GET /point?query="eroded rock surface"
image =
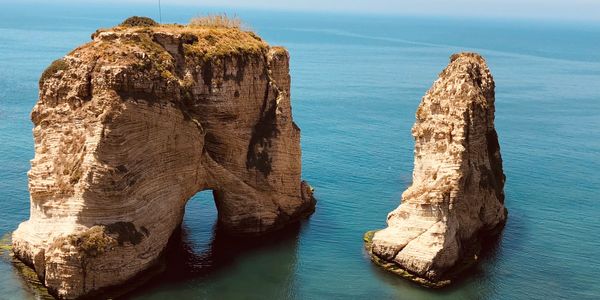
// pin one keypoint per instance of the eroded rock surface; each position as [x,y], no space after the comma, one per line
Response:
[131,125]
[457,196]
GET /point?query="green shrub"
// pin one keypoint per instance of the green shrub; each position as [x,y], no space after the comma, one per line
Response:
[138,21]
[54,67]
[93,241]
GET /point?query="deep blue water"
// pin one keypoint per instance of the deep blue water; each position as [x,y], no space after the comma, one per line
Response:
[356,83]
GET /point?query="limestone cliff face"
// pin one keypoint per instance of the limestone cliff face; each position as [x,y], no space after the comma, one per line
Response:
[131,125]
[457,191]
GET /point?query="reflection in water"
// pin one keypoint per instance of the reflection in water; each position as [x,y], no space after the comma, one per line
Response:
[227,267]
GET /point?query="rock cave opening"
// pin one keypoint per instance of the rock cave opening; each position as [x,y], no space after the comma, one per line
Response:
[200,247]
[199,220]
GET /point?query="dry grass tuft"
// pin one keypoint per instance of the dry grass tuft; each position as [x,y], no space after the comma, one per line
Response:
[218,21]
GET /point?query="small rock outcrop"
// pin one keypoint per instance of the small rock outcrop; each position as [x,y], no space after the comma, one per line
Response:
[457,196]
[131,125]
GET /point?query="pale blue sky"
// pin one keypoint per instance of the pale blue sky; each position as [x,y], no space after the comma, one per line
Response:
[530,9]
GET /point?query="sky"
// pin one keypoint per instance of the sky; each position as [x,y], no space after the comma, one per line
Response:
[583,10]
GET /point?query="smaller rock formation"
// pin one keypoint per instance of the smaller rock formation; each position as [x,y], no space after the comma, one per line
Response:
[457,196]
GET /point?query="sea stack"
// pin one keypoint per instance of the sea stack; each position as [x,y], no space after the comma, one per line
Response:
[456,198]
[131,125]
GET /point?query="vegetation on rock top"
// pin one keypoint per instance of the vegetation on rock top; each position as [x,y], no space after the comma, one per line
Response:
[150,50]
[137,42]
[217,21]
[220,42]
[206,37]
[138,21]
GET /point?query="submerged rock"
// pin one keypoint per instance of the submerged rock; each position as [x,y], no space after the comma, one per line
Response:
[457,196]
[131,125]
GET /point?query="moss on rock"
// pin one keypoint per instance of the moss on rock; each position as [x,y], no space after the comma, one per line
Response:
[6,245]
[25,273]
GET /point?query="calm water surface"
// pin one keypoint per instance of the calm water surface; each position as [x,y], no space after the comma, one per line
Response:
[357,81]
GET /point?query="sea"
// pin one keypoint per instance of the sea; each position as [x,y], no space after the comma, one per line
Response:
[356,82]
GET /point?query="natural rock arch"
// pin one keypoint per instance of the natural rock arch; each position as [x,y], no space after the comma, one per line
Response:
[130,126]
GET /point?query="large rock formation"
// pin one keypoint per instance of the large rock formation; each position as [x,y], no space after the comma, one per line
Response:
[456,197]
[131,125]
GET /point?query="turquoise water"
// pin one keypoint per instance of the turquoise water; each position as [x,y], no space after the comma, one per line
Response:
[356,83]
